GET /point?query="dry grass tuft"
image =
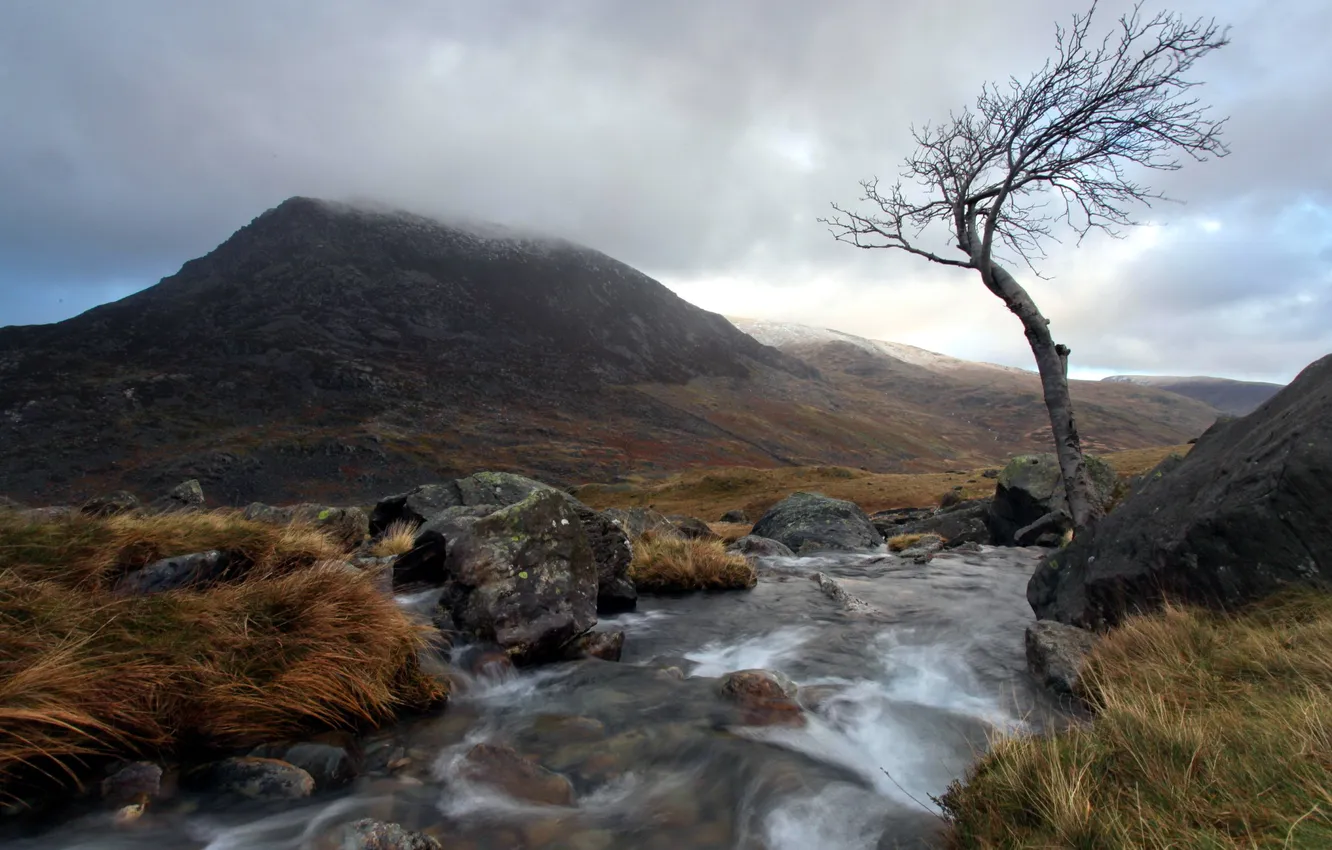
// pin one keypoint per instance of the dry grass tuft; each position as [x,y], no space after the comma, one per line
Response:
[667,563]
[1211,730]
[84,673]
[730,532]
[90,553]
[398,539]
[902,542]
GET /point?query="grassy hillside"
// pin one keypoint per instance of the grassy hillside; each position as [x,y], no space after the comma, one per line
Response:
[708,493]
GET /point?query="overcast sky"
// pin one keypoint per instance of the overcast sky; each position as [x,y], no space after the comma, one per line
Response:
[698,140]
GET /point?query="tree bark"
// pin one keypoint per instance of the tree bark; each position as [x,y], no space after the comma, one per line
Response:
[1051,361]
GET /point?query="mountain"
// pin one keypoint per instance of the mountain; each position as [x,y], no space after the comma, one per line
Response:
[1236,398]
[979,405]
[340,352]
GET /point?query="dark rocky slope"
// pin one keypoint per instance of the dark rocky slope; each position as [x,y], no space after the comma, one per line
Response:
[324,341]
[1242,515]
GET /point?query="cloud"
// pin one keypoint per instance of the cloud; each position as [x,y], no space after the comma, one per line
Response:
[697,141]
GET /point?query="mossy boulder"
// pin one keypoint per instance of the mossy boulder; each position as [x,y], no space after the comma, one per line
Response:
[812,522]
[443,505]
[524,578]
[1031,487]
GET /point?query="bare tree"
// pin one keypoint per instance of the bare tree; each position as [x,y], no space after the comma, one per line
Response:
[1062,148]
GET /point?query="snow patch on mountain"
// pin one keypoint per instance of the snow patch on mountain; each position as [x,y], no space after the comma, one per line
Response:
[790,334]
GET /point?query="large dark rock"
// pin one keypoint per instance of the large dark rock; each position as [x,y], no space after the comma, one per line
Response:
[523,577]
[753,546]
[185,497]
[891,522]
[255,778]
[638,521]
[453,503]
[414,507]
[1030,488]
[133,782]
[811,522]
[193,570]
[606,645]
[1056,654]
[1243,515]
[613,553]
[693,528]
[964,522]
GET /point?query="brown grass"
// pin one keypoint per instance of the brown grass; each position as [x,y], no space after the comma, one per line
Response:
[711,492]
[1211,731]
[398,539]
[84,673]
[666,564]
[730,532]
[89,553]
[904,541]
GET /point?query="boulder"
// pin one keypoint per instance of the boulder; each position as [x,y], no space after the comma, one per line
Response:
[965,522]
[193,570]
[523,577]
[367,834]
[185,497]
[607,645]
[1244,514]
[330,766]
[119,502]
[638,521]
[693,528]
[923,549]
[484,492]
[427,561]
[255,778]
[133,783]
[811,522]
[520,778]
[752,546]
[1056,654]
[736,515]
[414,507]
[1031,487]
[891,522]
[612,552]
[767,697]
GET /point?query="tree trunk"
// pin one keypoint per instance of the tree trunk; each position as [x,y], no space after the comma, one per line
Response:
[1052,363]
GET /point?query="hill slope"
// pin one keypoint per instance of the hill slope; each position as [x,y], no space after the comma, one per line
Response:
[337,352]
[1237,398]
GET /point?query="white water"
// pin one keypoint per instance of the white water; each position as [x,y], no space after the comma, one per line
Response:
[899,702]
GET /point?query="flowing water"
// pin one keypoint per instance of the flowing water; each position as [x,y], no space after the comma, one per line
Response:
[903,670]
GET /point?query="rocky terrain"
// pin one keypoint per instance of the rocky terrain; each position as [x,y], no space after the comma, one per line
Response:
[1237,519]
[1235,398]
[336,353]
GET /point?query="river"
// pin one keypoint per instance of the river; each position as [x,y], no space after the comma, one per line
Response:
[903,674]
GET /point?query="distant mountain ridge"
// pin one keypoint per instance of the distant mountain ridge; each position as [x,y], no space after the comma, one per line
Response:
[1235,398]
[331,351]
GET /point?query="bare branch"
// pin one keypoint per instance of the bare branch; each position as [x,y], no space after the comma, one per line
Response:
[1059,148]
